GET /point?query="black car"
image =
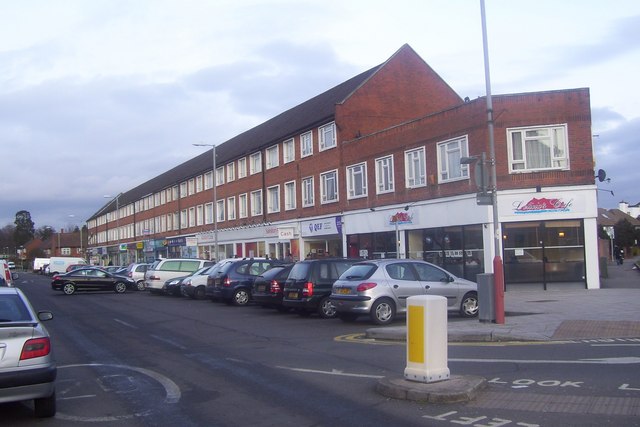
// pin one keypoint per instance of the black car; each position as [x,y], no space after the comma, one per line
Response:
[267,288]
[232,280]
[308,286]
[91,279]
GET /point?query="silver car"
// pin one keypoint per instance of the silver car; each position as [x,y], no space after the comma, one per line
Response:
[27,368]
[380,288]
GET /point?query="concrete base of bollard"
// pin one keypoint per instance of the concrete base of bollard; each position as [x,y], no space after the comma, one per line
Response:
[459,388]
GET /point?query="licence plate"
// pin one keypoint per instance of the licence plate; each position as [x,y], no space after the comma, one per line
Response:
[292,295]
[344,291]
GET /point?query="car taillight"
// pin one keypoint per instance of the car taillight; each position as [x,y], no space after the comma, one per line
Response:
[366,286]
[7,275]
[36,347]
[307,291]
[275,287]
[55,277]
[226,282]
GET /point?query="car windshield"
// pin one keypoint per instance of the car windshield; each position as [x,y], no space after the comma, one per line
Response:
[12,309]
[358,271]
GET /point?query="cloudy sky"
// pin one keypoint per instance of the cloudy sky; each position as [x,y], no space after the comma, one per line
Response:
[99,96]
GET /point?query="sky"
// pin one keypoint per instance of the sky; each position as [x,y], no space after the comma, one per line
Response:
[97,97]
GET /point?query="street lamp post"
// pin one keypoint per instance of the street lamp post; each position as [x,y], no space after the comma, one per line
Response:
[117,224]
[215,197]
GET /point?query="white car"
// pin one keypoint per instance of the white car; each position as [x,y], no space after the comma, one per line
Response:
[162,270]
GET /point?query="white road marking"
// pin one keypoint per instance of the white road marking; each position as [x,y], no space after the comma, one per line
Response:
[333,372]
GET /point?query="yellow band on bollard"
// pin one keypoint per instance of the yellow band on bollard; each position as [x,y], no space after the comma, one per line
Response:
[415,340]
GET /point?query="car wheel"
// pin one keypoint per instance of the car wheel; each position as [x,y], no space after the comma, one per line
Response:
[200,292]
[327,310]
[383,311]
[45,407]
[69,288]
[469,305]
[120,287]
[140,285]
[241,297]
[348,317]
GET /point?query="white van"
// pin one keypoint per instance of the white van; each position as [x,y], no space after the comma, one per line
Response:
[39,263]
[59,264]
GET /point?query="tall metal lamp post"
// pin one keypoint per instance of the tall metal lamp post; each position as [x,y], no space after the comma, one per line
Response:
[215,197]
[73,216]
[107,196]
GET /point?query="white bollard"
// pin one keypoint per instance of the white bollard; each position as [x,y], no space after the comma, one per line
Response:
[427,353]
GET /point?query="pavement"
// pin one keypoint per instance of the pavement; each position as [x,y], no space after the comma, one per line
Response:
[611,312]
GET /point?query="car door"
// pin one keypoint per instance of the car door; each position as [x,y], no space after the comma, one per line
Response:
[101,280]
[438,282]
[404,282]
[80,278]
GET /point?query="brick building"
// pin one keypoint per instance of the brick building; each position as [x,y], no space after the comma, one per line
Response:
[372,168]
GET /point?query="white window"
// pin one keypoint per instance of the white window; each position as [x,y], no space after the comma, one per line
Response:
[199,215]
[231,208]
[192,217]
[156,200]
[256,203]
[357,181]
[192,186]
[65,251]
[538,148]
[329,187]
[169,222]
[289,195]
[306,144]
[273,199]
[183,193]
[208,213]
[327,136]
[273,157]
[220,175]
[231,172]
[176,220]
[174,192]
[288,151]
[307,192]
[198,183]
[242,205]
[183,218]
[242,167]
[163,197]
[384,175]
[415,168]
[208,180]
[255,163]
[449,154]
[220,210]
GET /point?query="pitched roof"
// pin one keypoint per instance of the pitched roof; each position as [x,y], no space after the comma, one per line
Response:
[611,217]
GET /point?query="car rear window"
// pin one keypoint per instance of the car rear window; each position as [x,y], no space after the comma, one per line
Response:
[300,271]
[12,309]
[189,266]
[358,272]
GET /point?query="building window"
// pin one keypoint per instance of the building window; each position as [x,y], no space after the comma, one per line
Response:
[329,187]
[289,195]
[208,180]
[256,203]
[415,168]
[192,186]
[242,205]
[537,148]
[219,176]
[183,192]
[288,151]
[384,175]
[220,210]
[273,157]
[208,213]
[231,208]
[449,155]
[273,199]
[307,192]
[198,183]
[65,251]
[327,136]
[255,163]
[192,217]
[242,167]
[199,215]
[183,218]
[357,181]
[174,192]
[306,144]
[231,172]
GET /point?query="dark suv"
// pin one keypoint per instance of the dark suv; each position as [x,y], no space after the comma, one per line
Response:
[309,283]
[232,280]
[267,288]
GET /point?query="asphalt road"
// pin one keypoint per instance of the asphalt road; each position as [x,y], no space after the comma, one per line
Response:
[141,360]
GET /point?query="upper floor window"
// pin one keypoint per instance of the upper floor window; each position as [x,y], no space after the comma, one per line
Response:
[208,213]
[329,186]
[289,195]
[273,199]
[273,157]
[306,144]
[288,151]
[192,186]
[208,180]
[199,215]
[231,171]
[415,168]
[327,136]
[220,210]
[384,175]
[242,205]
[183,191]
[242,167]
[255,163]
[231,208]
[198,183]
[219,176]
[449,155]
[357,181]
[307,192]
[537,148]
[174,192]
[256,203]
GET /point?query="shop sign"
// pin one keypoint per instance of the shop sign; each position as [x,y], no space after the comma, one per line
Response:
[542,205]
[191,241]
[322,227]
[123,247]
[176,241]
[401,217]
[285,233]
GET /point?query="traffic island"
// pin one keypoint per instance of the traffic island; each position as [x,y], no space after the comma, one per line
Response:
[458,388]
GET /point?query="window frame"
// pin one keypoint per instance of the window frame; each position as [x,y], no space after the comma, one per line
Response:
[306,145]
[351,174]
[273,157]
[324,184]
[323,144]
[231,208]
[231,171]
[255,163]
[290,201]
[444,161]
[411,170]
[288,151]
[308,192]
[389,168]
[243,211]
[564,160]
[242,167]
[256,202]
[273,199]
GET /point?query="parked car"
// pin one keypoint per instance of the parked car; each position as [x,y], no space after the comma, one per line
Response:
[232,280]
[136,272]
[195,286]
[162,270]
[91,279]
[308,286]
[12,265]
[59,264]
[27,368]
[114,269]
[380,288]
[174,286]
[268,287]
[72,267]
[7,275]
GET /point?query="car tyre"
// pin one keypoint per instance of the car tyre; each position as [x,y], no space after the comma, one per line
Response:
[120,287]
[383,311]
[326,309]
[469,305]
[348,317]
[200,293]
[140,285]
[45,407]
[69,288]
[241,297]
